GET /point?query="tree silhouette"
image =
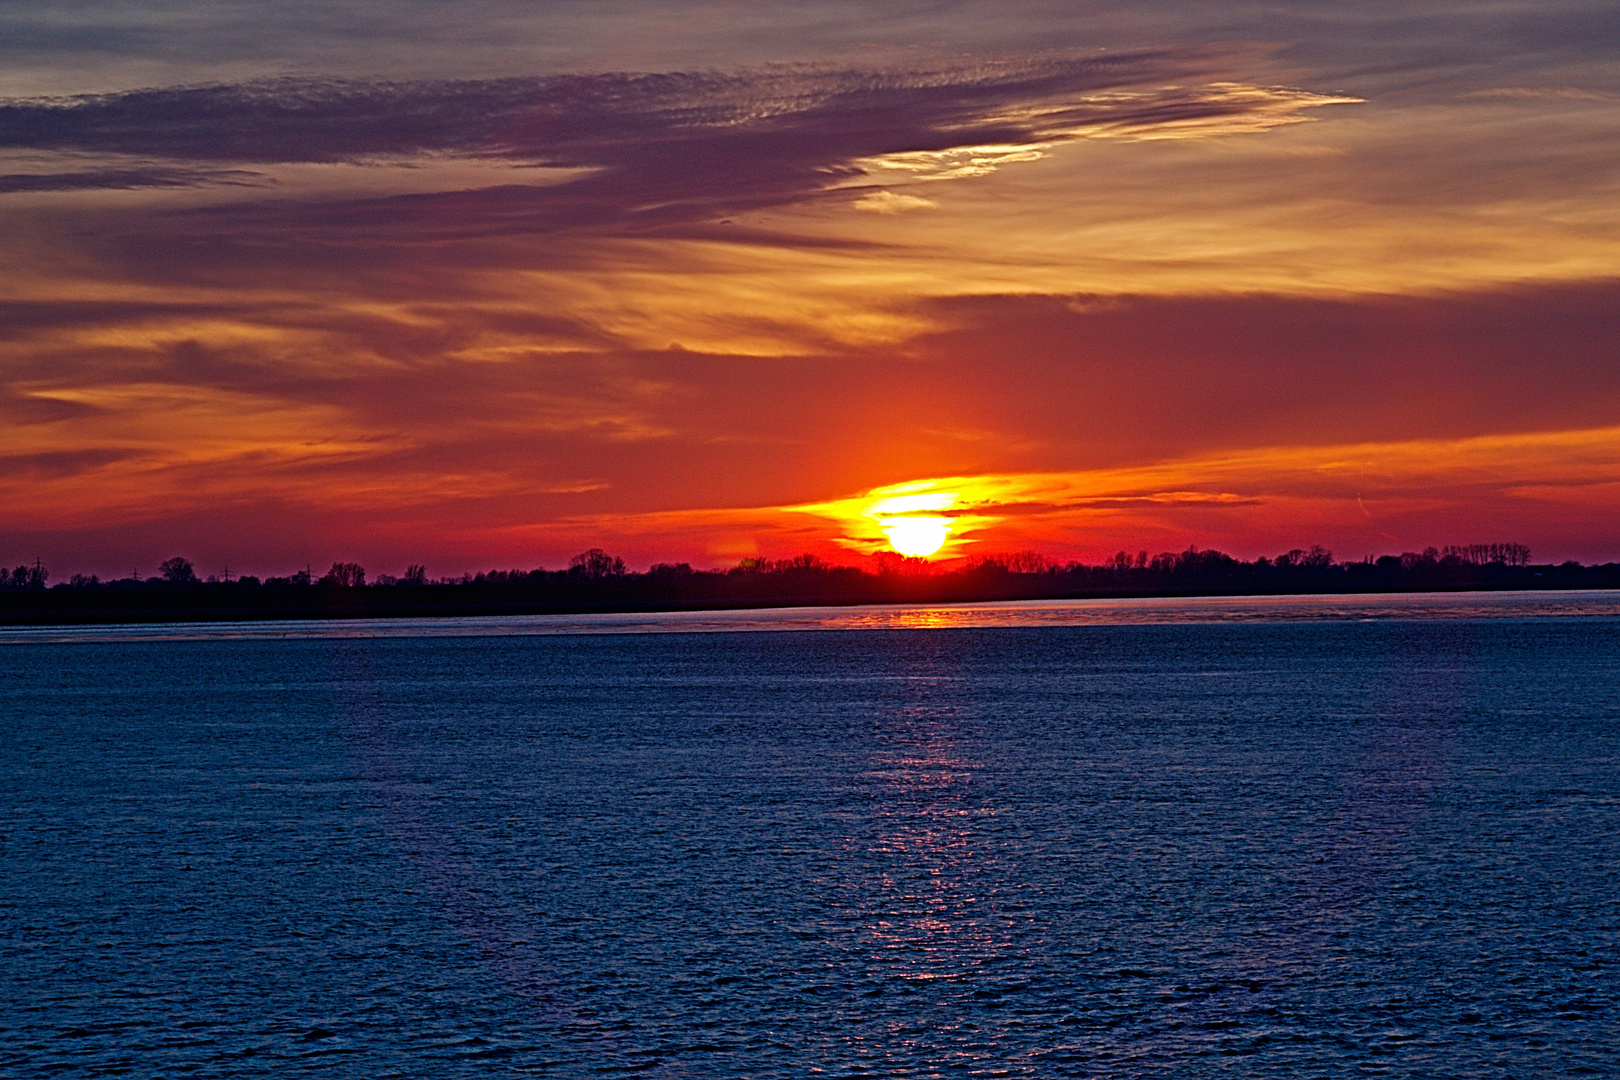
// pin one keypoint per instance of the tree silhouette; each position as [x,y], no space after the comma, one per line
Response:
[596,580]
[178,571]
[596,564]
[348,575]
[25,577]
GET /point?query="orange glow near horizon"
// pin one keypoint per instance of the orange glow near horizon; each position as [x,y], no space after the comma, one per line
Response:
[1361,499]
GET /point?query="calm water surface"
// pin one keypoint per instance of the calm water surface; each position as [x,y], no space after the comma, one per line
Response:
[1298,837]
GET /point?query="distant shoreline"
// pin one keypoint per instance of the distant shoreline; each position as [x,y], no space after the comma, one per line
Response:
[559,593]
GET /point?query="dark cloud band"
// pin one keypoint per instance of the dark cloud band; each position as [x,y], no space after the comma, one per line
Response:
[603,119]
[654,151]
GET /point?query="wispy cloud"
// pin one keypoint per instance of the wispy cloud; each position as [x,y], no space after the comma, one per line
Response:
[650,150]
[1543,93]
[126,179]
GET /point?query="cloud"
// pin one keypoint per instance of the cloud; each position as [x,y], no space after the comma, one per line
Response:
[124,179]
[52,464]
[114,41]
[651,150]
[1543,93]
[884,201]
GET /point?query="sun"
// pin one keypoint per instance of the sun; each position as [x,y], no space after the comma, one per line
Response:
[917,536]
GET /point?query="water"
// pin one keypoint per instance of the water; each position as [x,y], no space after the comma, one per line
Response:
[1276,838]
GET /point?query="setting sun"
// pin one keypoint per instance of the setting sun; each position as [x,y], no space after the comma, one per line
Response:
[909,515]
[918,518]
[917,536]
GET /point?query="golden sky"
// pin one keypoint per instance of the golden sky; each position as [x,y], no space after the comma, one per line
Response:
[693,282]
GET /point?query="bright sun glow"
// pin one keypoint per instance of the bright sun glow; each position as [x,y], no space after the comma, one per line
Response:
[919,519]
[917,536]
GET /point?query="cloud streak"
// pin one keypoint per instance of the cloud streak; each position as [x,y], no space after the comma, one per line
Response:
[652,150]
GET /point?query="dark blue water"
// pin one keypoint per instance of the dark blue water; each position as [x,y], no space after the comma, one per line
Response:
[1331,848]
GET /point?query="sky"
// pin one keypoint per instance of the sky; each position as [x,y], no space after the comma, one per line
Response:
[482,285]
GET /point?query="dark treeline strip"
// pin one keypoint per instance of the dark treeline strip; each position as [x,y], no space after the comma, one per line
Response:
[598,582]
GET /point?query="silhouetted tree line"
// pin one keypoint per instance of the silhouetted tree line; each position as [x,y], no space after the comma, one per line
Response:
[24,577]
[597,581]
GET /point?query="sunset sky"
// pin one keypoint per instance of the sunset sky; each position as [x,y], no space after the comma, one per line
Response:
[484,284]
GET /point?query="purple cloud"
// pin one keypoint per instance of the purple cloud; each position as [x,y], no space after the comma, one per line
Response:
[656,150]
